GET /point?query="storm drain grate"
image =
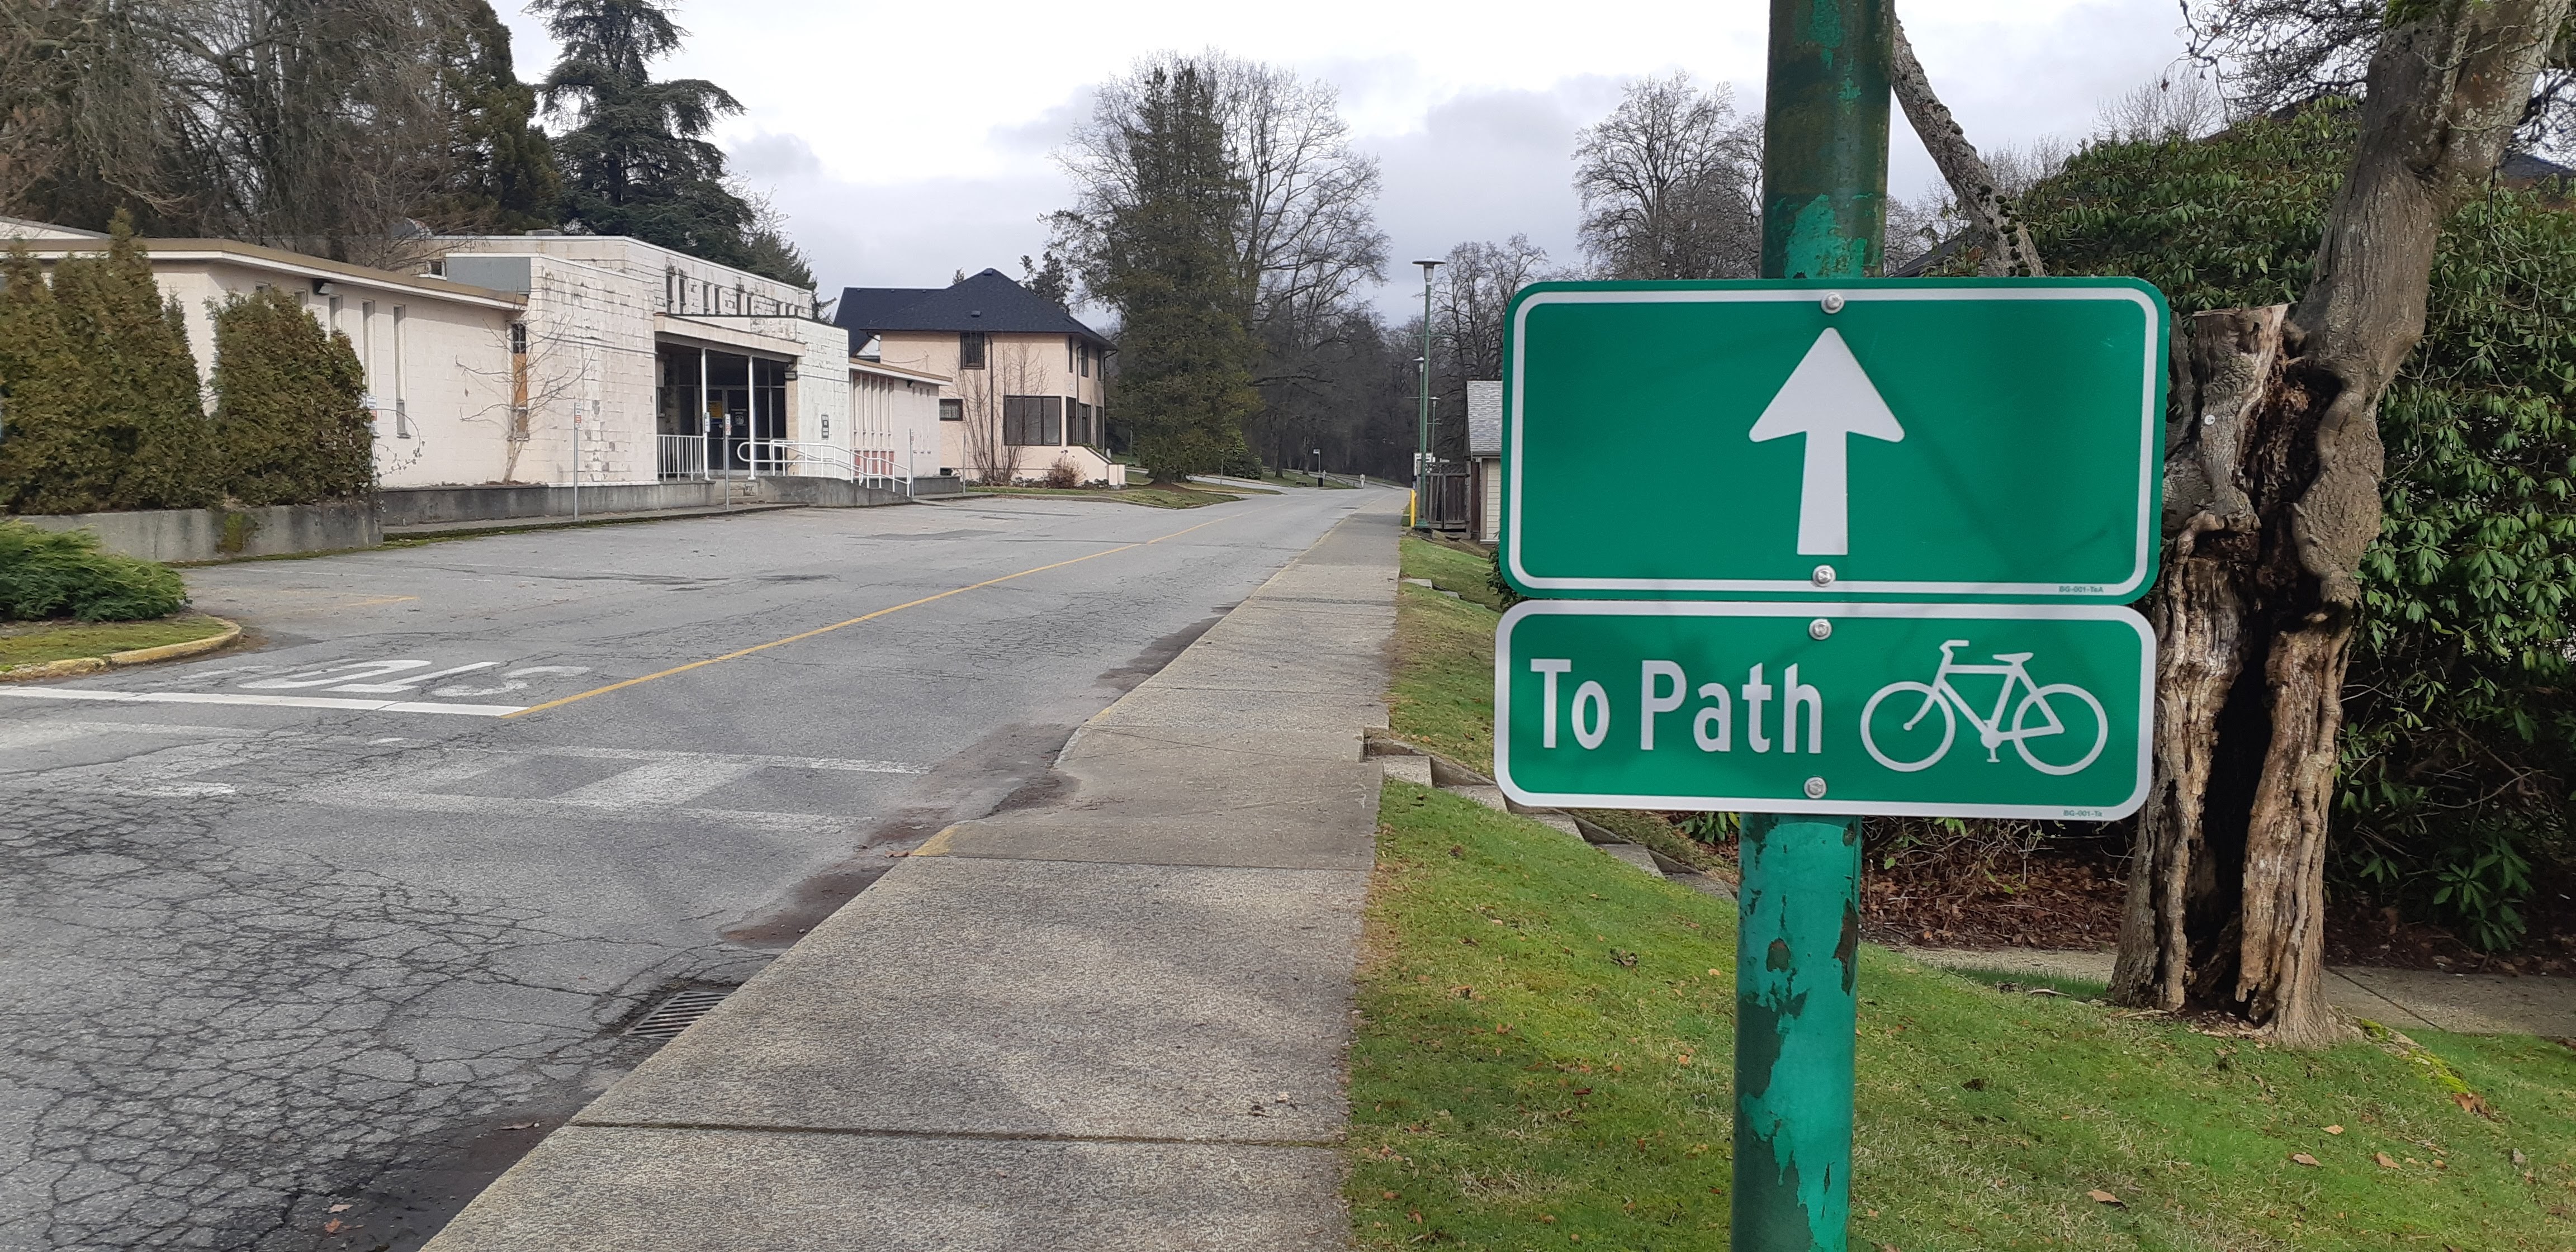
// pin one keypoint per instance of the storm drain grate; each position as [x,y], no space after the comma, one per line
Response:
[674,1015]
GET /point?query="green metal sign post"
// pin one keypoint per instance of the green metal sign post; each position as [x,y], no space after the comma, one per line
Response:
[1797,942]
[1820,545]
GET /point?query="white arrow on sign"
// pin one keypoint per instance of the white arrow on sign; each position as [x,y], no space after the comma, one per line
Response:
[1827,398]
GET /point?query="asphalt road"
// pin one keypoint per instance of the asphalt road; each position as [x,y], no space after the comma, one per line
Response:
[300,944]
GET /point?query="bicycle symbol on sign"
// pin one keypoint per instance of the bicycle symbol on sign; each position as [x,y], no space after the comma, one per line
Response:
[2032,719]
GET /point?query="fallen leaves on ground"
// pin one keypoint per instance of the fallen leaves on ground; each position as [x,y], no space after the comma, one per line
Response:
[2304,1159]
[2104,1197]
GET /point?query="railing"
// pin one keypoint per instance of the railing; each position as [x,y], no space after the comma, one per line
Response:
[791,458]
[685,456]
[680,456]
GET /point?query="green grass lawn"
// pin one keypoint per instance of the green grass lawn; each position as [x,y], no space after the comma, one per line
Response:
[33,643]
[1443,695]
[1518,1082]
[1157,496]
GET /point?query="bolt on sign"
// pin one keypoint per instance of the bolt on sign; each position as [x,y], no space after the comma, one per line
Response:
[1973,439]
[2027,711]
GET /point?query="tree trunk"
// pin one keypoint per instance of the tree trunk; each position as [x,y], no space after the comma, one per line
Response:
[2272,497]
[2007,247]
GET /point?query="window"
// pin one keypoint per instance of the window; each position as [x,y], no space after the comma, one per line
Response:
[970,350]
[1082,425]
[402,406]
[1032,421]
[952,410]
[518,339]
[1072,351]
[1084,358]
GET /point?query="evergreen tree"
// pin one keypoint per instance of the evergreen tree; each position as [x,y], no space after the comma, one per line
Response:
[1166,259]
[288,404]
[634,163]
[499,167]
[103,407]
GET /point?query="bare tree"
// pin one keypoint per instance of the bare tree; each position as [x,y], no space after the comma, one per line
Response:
[1010,369]
[1671,184]
[1305,235]
[314,125]
[2272,498]
[2177,105]
[1474,291]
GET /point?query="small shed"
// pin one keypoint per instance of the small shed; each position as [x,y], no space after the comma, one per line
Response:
[1485,460]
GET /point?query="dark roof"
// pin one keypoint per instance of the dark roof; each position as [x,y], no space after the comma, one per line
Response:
[2525,168]
[989,301]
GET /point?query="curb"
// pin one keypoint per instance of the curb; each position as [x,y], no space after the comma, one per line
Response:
[1467,782]
[519,526]
[71,666]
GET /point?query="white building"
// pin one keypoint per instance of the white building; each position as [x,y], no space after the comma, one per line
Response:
[658,365]
[436,352]
[553,359]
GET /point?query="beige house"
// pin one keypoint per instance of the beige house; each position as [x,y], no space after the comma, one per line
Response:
[1027,382]
[1485,461]
[436,352]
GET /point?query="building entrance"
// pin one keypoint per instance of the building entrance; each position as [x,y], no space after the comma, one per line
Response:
[719,412]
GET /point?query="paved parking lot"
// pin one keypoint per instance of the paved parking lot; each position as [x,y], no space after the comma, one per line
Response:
[304,941]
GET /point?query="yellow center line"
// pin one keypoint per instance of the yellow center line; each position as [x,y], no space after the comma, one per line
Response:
[825,630]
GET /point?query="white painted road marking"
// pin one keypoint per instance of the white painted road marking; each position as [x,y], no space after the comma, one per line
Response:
[659,782]
[286,702]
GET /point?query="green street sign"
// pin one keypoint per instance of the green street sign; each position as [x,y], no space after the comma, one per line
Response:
[1931,710]
[1858,439]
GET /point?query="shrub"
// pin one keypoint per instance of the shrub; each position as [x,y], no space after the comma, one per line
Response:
[2459,742]
[104,409]
[65,574]
[1063,474]
[289,404]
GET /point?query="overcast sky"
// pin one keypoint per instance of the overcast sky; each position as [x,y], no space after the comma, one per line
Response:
[907,142]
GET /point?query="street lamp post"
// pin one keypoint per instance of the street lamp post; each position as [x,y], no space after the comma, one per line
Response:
[1422,441]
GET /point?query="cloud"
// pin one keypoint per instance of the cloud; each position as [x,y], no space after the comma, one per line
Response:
[1486,165]
[771,158]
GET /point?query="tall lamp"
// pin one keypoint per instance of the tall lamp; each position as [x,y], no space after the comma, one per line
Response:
[1422,442]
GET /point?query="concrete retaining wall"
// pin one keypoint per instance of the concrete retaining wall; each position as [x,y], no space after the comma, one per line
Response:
[221,534]
[421,506]
[429,506]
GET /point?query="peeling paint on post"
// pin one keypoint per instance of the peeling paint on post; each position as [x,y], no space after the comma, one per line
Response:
[1824,215]
[1797,940]
[1824,139]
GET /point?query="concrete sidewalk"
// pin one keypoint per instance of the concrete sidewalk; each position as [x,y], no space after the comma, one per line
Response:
[2407,999]
[1115,1019]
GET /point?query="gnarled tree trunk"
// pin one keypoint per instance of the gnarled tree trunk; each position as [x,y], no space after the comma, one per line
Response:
[2007,247]
[2272,496]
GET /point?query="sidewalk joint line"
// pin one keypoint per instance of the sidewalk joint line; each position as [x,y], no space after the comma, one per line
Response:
[864,617]
[984,1136]
[1061,860]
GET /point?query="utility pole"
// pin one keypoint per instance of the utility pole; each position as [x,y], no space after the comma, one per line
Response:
[1422,443]
[1824,215]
